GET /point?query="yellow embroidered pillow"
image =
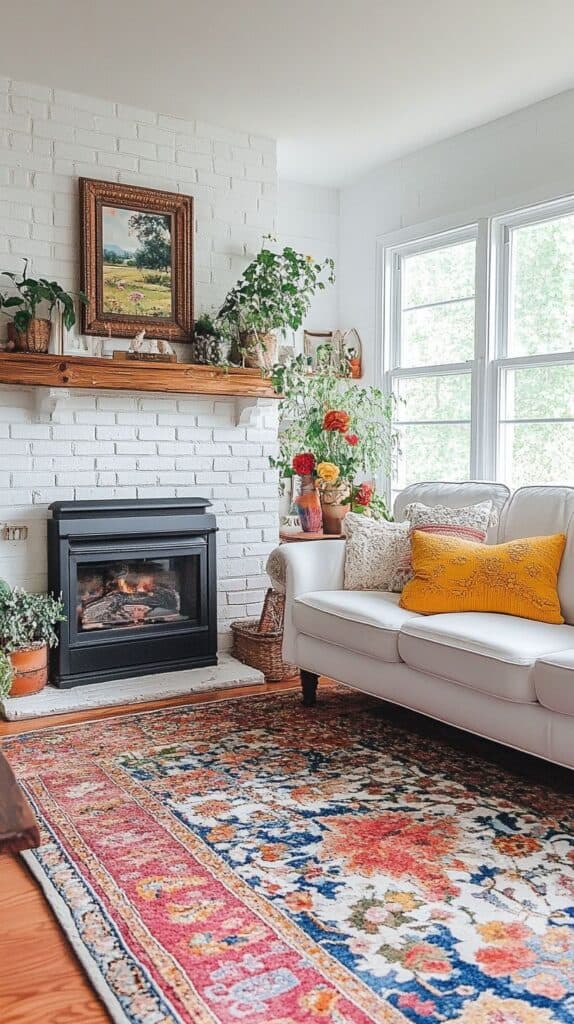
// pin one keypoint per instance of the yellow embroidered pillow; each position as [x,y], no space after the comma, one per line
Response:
[516,578]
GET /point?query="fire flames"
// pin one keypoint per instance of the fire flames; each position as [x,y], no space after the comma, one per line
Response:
[140,585]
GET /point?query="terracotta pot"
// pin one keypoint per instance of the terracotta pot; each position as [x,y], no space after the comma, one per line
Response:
[332,507]
[30,670]
[36,337]
[259,350]
[308,505]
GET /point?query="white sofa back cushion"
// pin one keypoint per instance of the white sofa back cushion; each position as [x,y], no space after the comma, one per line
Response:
[455,495]
[540,511]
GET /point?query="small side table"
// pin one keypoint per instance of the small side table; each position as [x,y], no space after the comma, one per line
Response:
[18,826]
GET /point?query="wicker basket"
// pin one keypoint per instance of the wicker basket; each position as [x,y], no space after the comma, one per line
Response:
[36,337]
[261,650]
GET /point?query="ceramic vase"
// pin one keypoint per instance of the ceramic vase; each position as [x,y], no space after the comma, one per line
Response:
[332,507]
[308,505]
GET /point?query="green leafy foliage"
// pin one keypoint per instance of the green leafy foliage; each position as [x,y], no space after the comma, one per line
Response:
[6,674]
[33,296]
[26,619]
[307,396]
[275,292]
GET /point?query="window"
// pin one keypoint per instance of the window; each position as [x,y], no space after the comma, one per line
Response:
[479,350]
[535,365]
[432,357]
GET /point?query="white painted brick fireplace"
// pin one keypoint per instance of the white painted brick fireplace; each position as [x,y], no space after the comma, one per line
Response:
[102,445]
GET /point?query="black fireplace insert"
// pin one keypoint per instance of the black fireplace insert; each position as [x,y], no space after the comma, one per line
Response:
[138,579]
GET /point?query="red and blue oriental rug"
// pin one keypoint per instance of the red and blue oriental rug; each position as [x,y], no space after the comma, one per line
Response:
[253,861]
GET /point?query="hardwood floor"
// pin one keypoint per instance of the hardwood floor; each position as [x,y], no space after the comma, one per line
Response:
[40,978]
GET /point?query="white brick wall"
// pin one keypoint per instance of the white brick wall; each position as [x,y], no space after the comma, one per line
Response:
[119,445]
[49,138]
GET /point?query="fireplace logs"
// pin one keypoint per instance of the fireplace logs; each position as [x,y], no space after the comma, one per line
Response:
[127,594]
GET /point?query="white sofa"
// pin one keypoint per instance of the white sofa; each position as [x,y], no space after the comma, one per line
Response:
[499,676]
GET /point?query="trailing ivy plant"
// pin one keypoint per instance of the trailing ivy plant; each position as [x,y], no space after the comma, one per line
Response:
[32,295]
[28,619]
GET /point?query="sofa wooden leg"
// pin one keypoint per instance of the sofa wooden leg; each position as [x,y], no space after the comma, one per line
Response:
[309,682]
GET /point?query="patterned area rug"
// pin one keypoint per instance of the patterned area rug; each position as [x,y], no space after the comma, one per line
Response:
[251,860]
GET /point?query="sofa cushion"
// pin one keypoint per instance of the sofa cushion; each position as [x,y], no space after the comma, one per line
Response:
[516,578]
[365,621]
[533,511]
[489,652]
[454,495]
[554,682]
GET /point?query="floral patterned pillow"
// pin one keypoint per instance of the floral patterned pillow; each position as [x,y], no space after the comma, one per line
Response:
[470,522]
[373,551]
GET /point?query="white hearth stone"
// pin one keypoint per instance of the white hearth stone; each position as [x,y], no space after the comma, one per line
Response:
[137,690]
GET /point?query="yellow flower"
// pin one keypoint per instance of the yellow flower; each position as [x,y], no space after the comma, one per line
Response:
[309,259]
[328,472]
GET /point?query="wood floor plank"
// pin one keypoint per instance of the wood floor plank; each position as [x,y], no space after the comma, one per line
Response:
[40,978]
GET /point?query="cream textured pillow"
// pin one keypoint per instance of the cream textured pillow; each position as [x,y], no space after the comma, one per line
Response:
[470,523]
[373,551]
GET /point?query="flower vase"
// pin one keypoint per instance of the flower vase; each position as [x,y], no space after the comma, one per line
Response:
[308,505]
[332,507]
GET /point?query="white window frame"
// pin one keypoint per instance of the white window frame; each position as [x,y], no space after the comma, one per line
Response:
[391,369]
[491,229]
[501,291]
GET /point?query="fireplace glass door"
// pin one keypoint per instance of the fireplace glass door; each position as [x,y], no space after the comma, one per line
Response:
[134,590]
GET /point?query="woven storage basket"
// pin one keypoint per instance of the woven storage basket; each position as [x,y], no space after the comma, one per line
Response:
[261,650]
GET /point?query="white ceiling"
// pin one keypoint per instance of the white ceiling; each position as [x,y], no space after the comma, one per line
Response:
[342,84]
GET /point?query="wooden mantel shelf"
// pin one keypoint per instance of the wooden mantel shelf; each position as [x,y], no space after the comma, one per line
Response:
[123,375]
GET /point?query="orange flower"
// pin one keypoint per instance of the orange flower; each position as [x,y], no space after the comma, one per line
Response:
[321,1001]
[299,901]
[498,961]
[337,419]
[221,833]
[517,846]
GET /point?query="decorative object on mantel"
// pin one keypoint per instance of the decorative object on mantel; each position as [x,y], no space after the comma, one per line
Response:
[274,294]
[335,432]
[207,341]
[148,350]
[351,349]
[259,642]
[27,624]
[316,344]
[137,260]
[124,375]
[27,331]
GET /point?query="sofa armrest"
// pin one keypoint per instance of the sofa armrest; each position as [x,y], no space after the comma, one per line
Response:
[301,568]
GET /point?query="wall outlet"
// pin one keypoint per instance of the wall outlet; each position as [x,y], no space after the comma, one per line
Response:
[13,531]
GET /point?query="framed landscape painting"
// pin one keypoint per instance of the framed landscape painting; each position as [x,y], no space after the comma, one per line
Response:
[137,261]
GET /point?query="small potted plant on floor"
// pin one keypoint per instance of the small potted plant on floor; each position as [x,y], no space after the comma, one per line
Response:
[31,310]
[27,629]
[274,294]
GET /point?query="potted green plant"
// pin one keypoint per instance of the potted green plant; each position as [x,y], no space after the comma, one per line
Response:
[29,330]
[27,629]
[208,341]
[274,294]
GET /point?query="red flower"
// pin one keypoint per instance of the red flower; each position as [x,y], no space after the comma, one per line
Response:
[304,463]
[364,495]
[337,419]
[352,439]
